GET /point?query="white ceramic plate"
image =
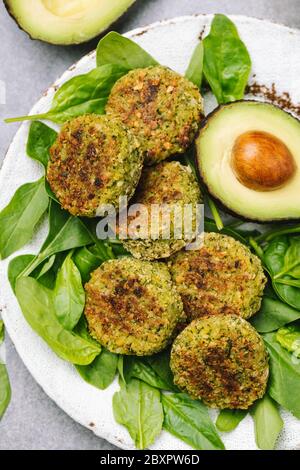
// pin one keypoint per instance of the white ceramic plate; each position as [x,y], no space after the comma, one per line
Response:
[275,53]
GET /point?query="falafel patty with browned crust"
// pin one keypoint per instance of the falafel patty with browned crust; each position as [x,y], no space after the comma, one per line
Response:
[222,361]
[172,188]
[93,162]
[162,108]
[132,307]
[223,276]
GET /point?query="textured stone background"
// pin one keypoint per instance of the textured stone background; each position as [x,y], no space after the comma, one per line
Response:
[28,67]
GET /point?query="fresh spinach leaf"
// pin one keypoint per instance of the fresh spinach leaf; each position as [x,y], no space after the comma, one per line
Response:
[17,266]
[273,315]
[267,422]
[228,420]
[40,140]
[274,259]
[189,420]
[101,248]
[66,232]
[69,295]
[5,389]
[83,94]
[289,339]
[123,52]
[160,363]
[137,406]
[36,302]
[120,367]
[20,217]
[194,71]
[291,265]
[2,332]
[102,371]
[284,382]
[227,63]
[86,262]
[135,367]
[81,329]
[45,268]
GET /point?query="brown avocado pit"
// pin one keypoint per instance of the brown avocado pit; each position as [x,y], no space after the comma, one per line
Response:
[261,161]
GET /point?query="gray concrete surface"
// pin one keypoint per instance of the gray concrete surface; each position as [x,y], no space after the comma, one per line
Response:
[28,67]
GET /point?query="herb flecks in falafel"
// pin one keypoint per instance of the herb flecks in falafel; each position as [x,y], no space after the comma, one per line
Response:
[162,108]
[223,276]
[222,361]
[93,162]
[172,188]
[132,307]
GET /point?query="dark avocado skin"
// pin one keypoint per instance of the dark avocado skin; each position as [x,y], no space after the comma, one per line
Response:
[103,32]
[217,200]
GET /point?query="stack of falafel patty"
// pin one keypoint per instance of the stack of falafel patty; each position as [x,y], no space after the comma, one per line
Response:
[199,300]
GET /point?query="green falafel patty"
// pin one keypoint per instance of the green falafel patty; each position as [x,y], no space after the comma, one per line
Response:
[93,162]
[132,307]
[162,108]
[222,361]
[171,187]
[223,276]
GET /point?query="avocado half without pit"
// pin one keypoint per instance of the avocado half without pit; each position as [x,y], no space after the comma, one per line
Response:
[248,155]
[66,21]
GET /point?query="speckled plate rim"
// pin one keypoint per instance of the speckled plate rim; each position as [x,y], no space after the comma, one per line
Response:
[114,433]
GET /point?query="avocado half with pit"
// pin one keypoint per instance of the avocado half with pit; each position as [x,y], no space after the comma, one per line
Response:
[66,21]
[248,155]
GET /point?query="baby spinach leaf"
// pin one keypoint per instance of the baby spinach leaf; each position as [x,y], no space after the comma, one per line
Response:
[5,390]
[291,259]
[45,268]
[189,420]
[81,329]
[100,248]
[289,339]
[273,315]
[86,262]
[137,406]
[102,371]
[267,422]
[139,368]
[121,51]
[227,63]
[17,266]
[194,71]
[19,218]
[274,259]
[83,94]
[65,233]
[228,420]
[284,382]
[69,295]
[120,368]
[160,363]
[36,302]
[2,332]
[40,140]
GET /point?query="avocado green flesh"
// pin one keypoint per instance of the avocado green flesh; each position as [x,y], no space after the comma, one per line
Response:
[66,21]
[214,149]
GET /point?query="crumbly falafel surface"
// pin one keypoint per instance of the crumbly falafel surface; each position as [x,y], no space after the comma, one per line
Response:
[93,162]
[172,187]
[161,107]
[223,276]
[222,361]
[132,307]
